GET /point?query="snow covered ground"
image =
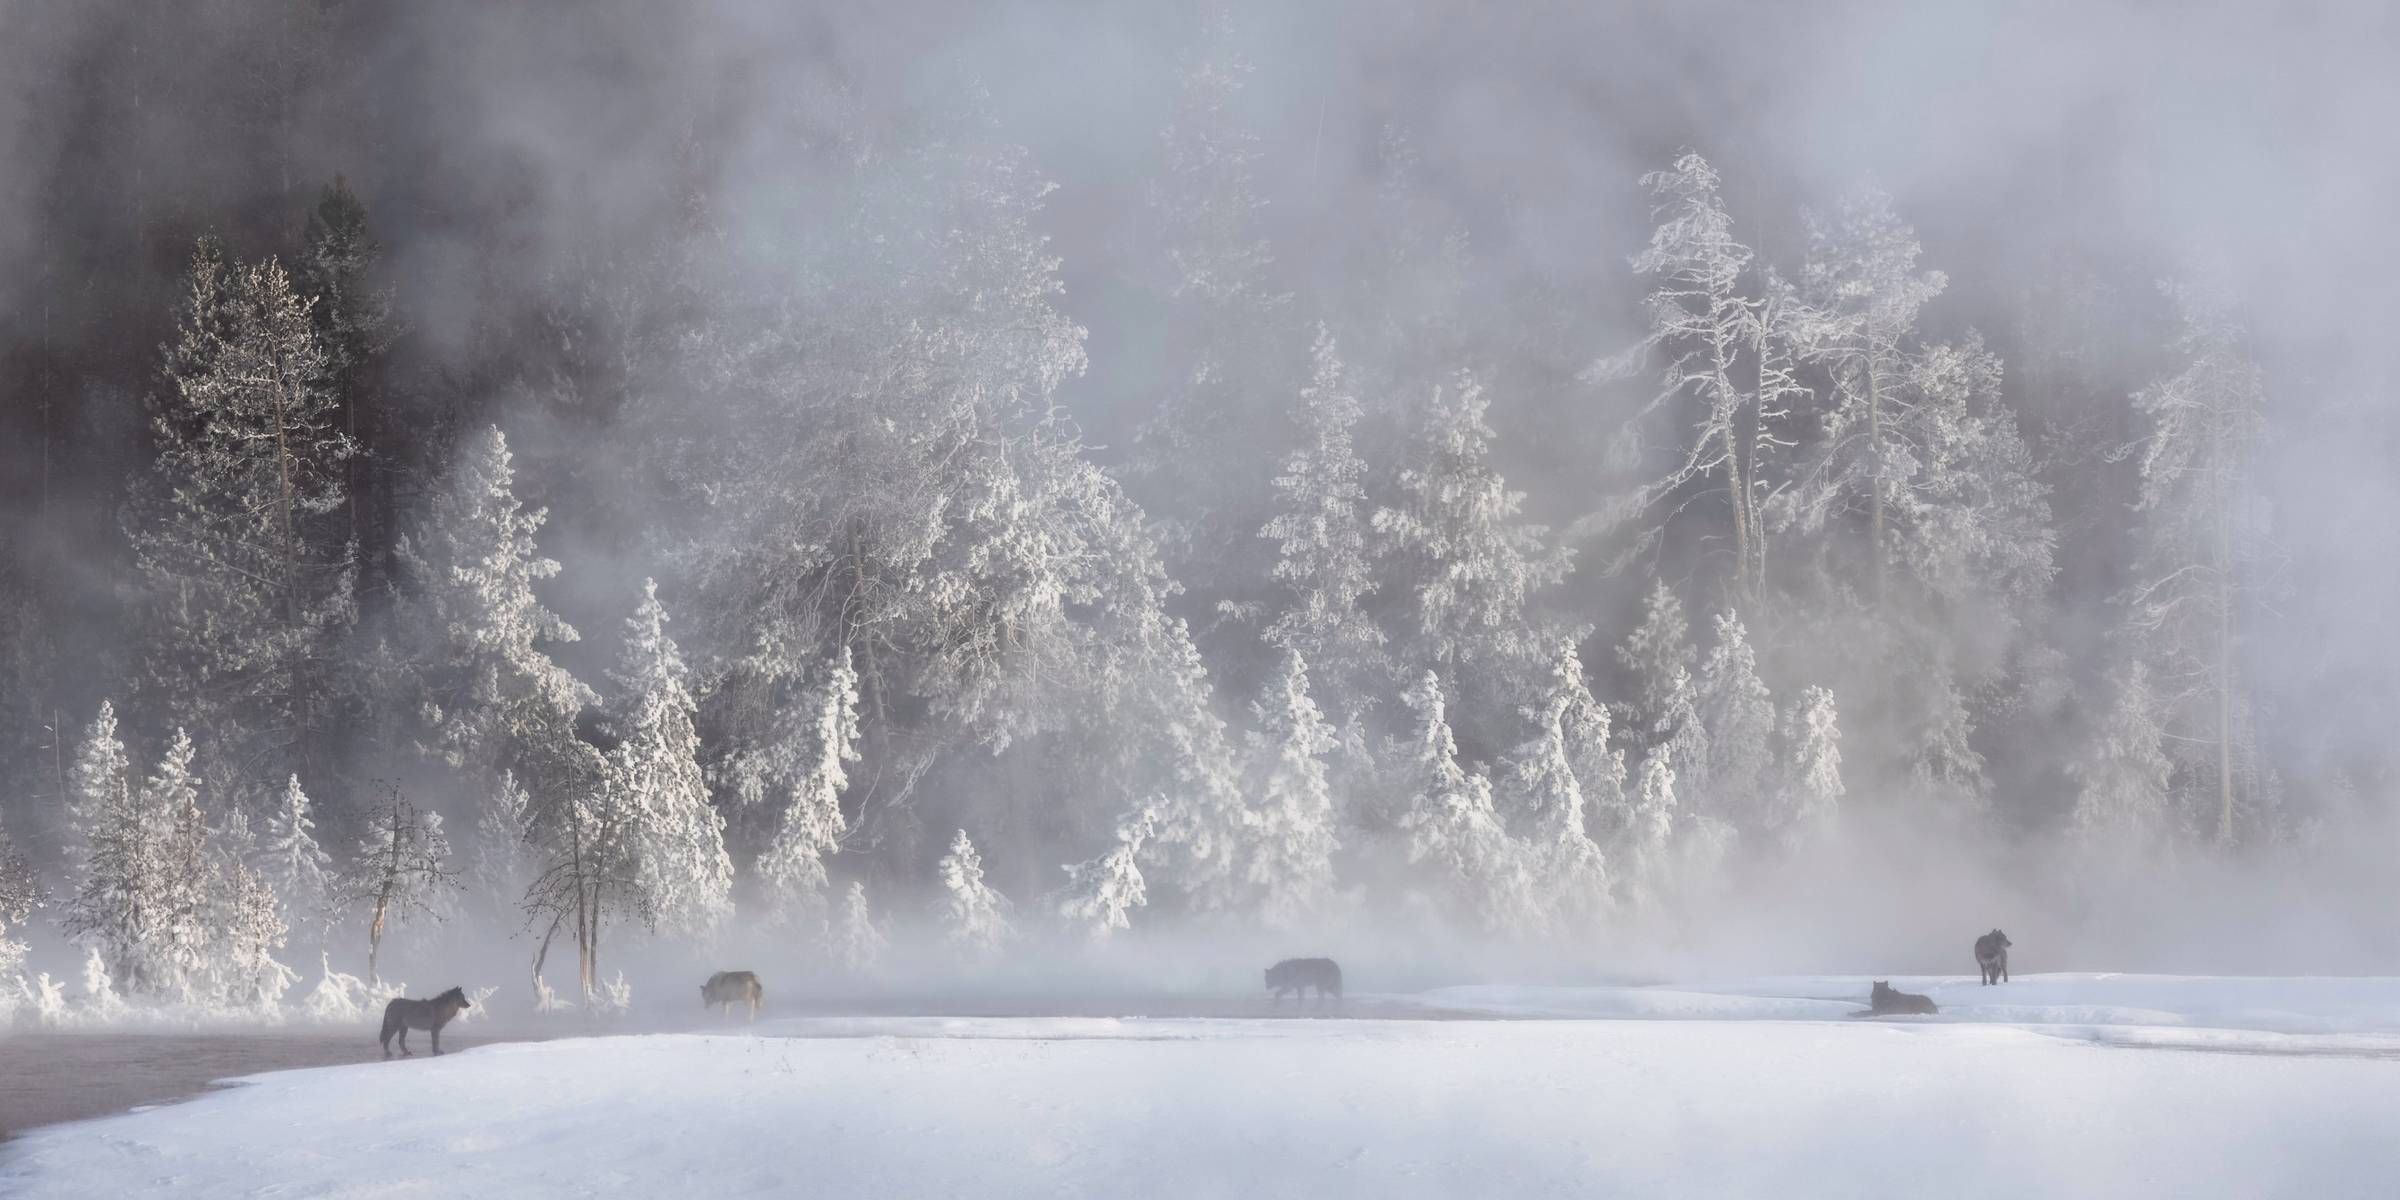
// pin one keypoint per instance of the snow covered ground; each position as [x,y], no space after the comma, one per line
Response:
[1238,1107]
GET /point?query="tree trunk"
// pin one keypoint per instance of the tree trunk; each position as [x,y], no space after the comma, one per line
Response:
[1875,472]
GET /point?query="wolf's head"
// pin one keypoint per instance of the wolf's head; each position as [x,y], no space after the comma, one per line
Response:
[1883,988]
[456,996]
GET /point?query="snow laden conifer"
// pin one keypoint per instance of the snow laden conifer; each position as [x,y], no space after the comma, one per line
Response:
[297,868]
[246,570]
[189,885]
[20,895]
[1548,802]
[1813,787]
[1648,844]
[2122,802]
[975,917]
[654,773]
[1291,860]
[2202,537]
[491,693]
[501,869]
[1680,741]
[101,786]
[1320,531]
[792,871]
[1100,895]
[1716,338]
[858,941]
[1469,562]
[1739,715]
[115,909]
[1451,828]
[1659,646]
[249,930]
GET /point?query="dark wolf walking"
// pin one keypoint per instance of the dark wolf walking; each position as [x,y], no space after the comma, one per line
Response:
[1991,955]
[402,1015]
[1887,1000]
[730,988]
[1297,975]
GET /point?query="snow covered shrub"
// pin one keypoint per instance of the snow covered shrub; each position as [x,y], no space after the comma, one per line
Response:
[974,915]
[49,1000]
[339,998]
[545,1000]
[100,1002]
[616,997]
[476,1002]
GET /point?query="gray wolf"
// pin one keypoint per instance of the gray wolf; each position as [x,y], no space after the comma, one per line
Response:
[402,1015]
[1888,1000]
[1297,975]
[1991,954]
[730,988]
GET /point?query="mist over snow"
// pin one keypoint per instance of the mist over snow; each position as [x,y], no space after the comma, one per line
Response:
[944,496]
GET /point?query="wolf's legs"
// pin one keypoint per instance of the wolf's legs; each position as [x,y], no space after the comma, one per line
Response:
[405,1052]
[436,1031]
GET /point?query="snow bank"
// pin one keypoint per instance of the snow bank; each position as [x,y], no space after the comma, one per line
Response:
[1326,1108]
[2265,1003]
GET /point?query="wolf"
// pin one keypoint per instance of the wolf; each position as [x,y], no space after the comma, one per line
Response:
[730,988]
[402,1015]
[1887,1000]
[1991,954]
[1297,975]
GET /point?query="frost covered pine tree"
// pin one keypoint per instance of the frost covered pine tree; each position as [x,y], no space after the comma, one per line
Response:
[2122,776]
[101,788]
[246,578]
[115,909]
[1450,823]
[249,930]
[680,858]
[1470,563]
[1320,531]
[975,916]
[858,941]
[20,895]
[298,869]
[2202,534]
[191,882]
[1659,646]
[1813,788]
[1291,859]
[401,871]
[1101,894]
[491,693]
[792,871]
[1647,846]
[1739,715]
[1717,338]
[502,867]
[1548,801]
[1861,291]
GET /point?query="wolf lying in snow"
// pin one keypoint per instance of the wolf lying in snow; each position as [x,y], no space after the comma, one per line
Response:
[1887,1000]
[403,1014]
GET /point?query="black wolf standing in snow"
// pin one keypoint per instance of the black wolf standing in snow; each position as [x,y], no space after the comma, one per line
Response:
[1888,1000]
[1297,975]
[402,1015]
[730,988]
[1991,954]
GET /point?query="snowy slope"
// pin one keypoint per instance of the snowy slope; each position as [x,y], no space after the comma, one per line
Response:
[2273,1004]
[1241,1108]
